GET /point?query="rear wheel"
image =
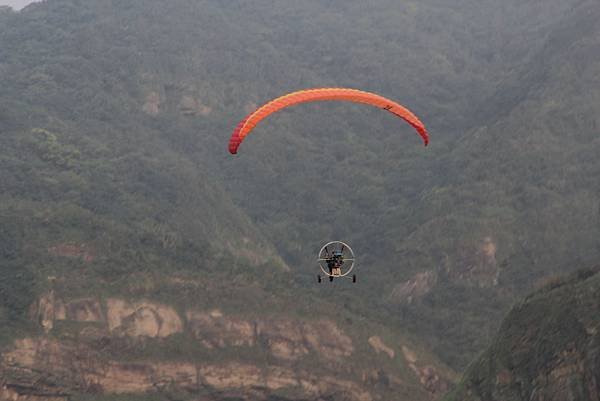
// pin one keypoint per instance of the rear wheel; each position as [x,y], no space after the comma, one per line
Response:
[354,278]
[330,278]
[319,278]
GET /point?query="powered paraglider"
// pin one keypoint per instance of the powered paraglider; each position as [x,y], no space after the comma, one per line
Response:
[321,94]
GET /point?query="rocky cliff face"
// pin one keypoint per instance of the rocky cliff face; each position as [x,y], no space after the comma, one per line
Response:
[548,348]
[101,350]
[44,367]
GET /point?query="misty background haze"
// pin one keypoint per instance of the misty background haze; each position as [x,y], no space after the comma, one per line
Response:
[134,246]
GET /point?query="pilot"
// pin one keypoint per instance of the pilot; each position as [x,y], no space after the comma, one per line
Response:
[335,262]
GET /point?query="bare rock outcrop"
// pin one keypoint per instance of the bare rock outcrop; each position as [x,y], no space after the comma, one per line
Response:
[414,289]
[290,339]
[216,331]
[79,310]
[69,250]
[142,318]
[49,309]
[22,393]
[74,368]
[152,103]
[77,366]
[327,338]
[428,375]
[286,339]
[44,311]
[379,346]
[190,106]
[477,267]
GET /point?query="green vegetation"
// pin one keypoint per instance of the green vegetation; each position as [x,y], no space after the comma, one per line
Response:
[114,120]
[547,345]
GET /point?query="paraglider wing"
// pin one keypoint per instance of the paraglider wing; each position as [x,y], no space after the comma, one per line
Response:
[321,94]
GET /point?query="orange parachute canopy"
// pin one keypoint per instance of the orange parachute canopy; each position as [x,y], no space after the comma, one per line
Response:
[319,94]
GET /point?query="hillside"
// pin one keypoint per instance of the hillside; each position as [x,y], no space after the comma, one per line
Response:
[547,347]
[115,119]
[519,198]
[127,266]
[455,232]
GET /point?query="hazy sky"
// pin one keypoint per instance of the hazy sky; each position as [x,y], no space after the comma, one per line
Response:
[16,4]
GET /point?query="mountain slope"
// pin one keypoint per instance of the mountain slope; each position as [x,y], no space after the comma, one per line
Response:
[156,90]
[547,347]
[518,197]
[126,266]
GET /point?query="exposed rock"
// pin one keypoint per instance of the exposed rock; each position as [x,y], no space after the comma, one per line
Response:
[428,376]
[49,308]
[289,339]
[43,366]
[152,103]
[80,310]
[10,394]
[94,333]
[75,367]
[477,267]
[232,375]
[60,311]
[142,319]
[71,369]
[285,338]
[216,313]
[241,375]
[185,375]
[44,311]
[278,378]
[216,331]
[331,385]
[431,380]
[379,346]
[122,378]
[204,110]
[190,106]
[415,288]
[82,251]
[409,354]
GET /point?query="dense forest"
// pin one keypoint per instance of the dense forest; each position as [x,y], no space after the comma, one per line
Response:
[547,347]
[114,122]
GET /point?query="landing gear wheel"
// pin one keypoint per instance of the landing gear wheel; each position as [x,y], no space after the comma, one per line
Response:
[330,278]
[354,278]
[319,278]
